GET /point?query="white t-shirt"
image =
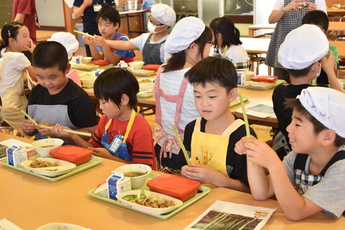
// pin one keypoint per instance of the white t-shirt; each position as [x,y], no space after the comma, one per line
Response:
[237,54]
[13,70]
[320,5]
[140,41]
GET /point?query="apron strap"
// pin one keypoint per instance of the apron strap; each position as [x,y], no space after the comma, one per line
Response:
[129,125]
[230,129]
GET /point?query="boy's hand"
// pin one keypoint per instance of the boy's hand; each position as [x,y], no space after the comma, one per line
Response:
[88,40]
[257,152]
[101,152]
[201,173]
[99,41]
[328,63]
[29,127]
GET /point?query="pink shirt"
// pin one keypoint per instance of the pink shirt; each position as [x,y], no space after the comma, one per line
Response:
[74,75]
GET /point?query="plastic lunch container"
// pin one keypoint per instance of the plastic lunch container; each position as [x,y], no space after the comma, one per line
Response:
[175,186]
[73,154]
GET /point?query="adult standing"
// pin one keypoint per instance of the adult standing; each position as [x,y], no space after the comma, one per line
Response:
[88,9]
[288,15]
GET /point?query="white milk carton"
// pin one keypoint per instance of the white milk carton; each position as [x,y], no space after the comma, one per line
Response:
[16,154]
[117,183]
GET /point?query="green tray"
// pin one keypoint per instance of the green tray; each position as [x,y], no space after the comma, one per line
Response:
[91,163]
[203,190]
[278,82]
[237,101]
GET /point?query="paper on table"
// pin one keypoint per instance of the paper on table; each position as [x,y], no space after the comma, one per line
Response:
[224,214]
[263,109]
[8,225]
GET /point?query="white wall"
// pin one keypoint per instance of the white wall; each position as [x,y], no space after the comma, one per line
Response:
[50,12]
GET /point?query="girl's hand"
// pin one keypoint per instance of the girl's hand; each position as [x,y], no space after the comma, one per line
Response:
[101,152]
[201,173]
[31,47]
[293,5]
[311,6]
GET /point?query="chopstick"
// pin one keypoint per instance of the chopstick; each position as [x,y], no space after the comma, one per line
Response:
[48,127]
[245,118]
[182,146]
[80,32]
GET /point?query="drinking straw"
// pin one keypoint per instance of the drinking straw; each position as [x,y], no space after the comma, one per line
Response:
[182,146]
[245,118]
[224,53]
[80,32]
[48,127]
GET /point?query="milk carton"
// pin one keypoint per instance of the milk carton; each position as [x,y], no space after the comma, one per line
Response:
[16,154]
[117,183]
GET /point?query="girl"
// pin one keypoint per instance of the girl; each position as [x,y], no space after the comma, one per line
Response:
[227,35]
[189,42]
[122,134]
[14,65]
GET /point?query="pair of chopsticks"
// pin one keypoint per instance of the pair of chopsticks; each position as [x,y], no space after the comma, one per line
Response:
[48,127]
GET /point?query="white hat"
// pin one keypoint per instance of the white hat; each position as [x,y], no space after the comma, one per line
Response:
[303,47]
[164,14]
[68,40]
[326,105]
[186,31]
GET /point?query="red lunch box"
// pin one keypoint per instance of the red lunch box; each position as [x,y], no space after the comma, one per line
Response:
[74,154]
[179,187]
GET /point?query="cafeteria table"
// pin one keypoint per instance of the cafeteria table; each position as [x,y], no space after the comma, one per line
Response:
[30,202]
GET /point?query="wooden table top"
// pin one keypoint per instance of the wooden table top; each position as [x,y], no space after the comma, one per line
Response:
[30,202]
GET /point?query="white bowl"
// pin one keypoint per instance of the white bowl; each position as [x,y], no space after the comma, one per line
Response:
[89,81]
[86,60]
[155,195]
[64,226]
[136,64]
[43,146]
[138,181]
[52,171]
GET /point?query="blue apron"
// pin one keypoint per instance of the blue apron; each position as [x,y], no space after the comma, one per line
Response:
[118,146]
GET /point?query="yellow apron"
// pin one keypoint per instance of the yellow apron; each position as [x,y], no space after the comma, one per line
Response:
[211,149]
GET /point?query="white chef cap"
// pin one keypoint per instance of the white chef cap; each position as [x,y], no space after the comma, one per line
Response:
[186,31]
[68,40]
[302,47]
[164,14]
[326,105]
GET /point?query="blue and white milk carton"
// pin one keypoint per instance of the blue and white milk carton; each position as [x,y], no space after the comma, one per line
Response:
[117,183]
[16,155]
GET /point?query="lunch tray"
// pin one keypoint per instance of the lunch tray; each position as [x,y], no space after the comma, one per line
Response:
[237,101]
[203,191]
[278,82]
[91,163]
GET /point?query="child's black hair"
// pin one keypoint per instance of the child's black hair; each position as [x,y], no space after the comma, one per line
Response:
[112,83]
[316,17]
[295,104]
[226,27]
[9,30]
[109,13]
[177,60]
[213,69]
[49,54]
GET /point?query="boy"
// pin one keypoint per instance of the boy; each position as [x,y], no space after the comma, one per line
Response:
[151,44]
[57,99]
[116,90]
[302,58]
[109,22]
[211,139]
[316,165]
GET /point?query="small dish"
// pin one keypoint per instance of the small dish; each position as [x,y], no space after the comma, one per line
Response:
[53,171]
[62,226]
[152,211]
[145,94]
[136,180]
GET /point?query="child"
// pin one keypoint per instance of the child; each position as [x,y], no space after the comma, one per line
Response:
[189,42]
[151,44]
[71,44]
[227,35]
[310,178]
[301,57]
[320,19]
[109,22]
[211,138]
[57,99]
[13,68]
[116,90]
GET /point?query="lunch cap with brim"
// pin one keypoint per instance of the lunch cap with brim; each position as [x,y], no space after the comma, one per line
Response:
[164,14]
[326,105]
[186,31]
[303,47]
[68,40]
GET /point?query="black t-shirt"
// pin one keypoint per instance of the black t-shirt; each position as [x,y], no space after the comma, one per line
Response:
[237,162]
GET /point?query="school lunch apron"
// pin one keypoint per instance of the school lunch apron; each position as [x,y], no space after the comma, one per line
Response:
[158,131]
[151,52]
[118,146]
[211,149]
